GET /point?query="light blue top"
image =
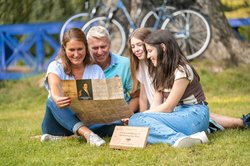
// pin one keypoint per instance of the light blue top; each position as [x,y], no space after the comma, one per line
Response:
[56,67]
[120,67]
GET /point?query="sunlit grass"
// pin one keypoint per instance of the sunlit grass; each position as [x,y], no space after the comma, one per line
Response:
[236,8]
[22,106]
[240,13]
[235,3]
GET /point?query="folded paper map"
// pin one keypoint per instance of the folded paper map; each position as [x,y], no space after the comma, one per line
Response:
[97,101]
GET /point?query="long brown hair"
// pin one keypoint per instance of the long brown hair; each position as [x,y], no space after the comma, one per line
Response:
[168,60]
[140,34]
[73,34]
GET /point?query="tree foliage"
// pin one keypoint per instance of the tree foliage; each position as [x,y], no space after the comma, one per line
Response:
[32,11]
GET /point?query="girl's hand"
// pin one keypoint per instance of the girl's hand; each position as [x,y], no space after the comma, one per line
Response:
[62,102]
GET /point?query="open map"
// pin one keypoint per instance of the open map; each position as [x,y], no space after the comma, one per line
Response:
[97,101]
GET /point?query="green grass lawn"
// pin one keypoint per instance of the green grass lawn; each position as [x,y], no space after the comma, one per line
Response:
[22,106]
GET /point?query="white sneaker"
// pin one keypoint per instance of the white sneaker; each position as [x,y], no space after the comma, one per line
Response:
[48,137]
[95,140]
[186,142]
[200,135]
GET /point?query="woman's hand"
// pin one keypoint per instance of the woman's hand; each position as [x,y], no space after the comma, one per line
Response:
[125,121]
[62,102]
[56,93]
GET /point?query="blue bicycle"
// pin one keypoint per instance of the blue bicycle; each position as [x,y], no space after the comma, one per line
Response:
[190,28]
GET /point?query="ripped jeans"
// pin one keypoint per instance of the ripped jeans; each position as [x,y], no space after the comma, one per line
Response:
[169,127]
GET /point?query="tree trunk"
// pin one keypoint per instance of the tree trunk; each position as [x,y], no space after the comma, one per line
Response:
[224,47]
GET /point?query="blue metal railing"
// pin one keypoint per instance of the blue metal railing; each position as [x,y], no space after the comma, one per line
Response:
[25,44]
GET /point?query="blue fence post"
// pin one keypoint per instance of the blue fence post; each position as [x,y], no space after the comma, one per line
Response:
[2,52]
[40,53]
[54,44]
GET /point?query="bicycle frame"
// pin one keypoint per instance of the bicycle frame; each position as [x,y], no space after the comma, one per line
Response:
[120,5]
[162,14]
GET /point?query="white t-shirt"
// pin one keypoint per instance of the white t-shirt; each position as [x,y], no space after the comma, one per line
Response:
[144,78]
[90,72]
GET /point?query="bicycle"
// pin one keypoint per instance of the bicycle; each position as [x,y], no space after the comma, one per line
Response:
[118,39]
[189,27]
[168,17]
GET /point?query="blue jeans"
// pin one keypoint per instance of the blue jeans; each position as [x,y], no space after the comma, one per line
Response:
[64,122]
[169,127]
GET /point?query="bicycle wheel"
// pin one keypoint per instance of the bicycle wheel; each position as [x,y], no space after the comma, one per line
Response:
[151,18]
[191,30]
[117,33]
[76,21]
